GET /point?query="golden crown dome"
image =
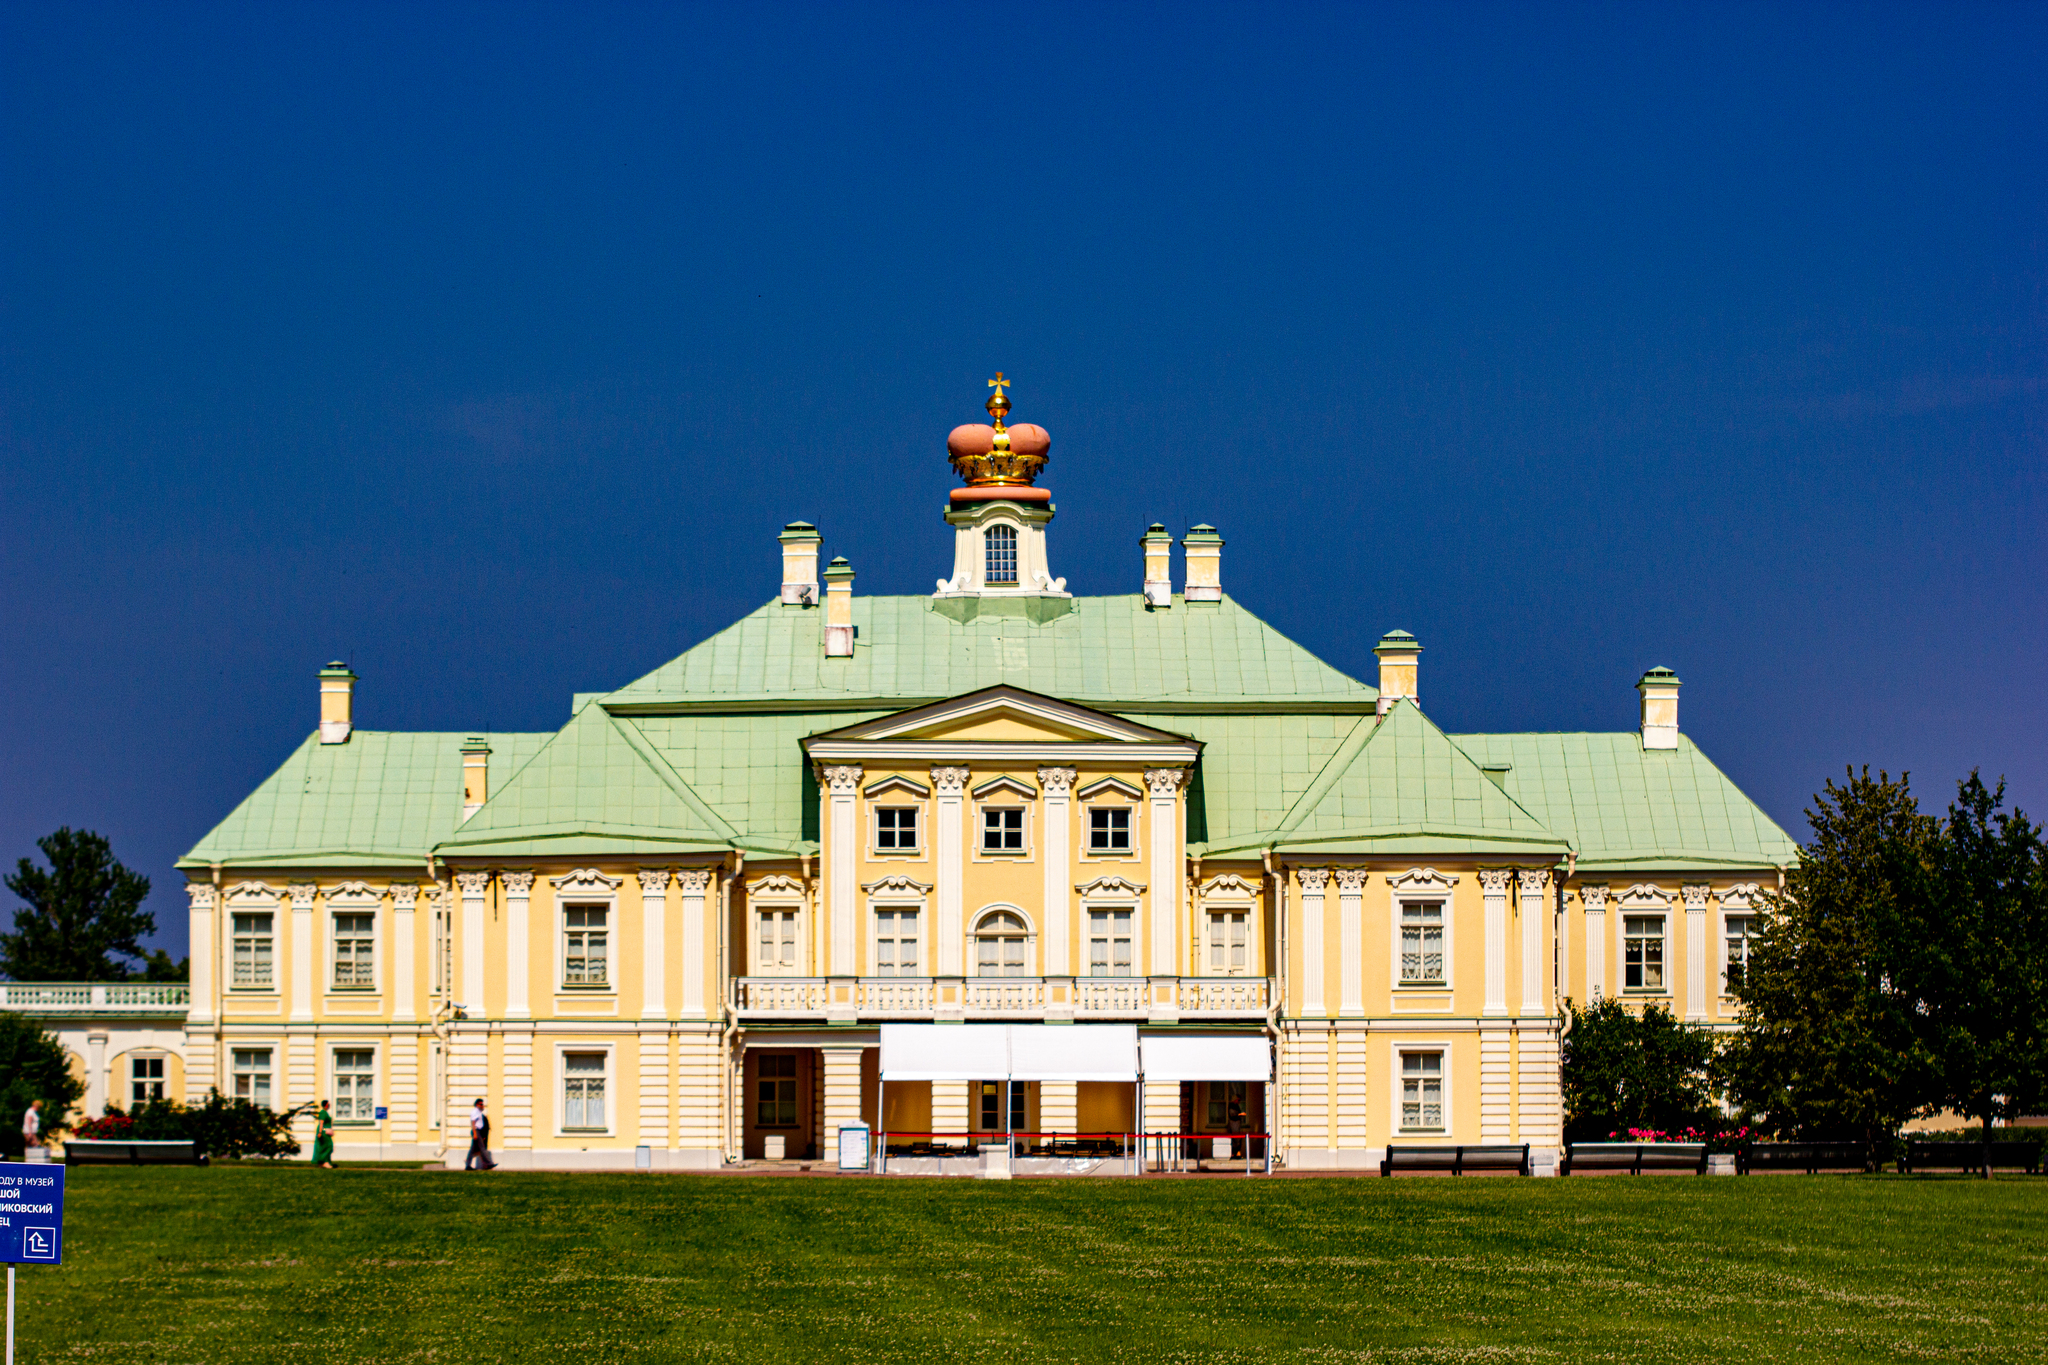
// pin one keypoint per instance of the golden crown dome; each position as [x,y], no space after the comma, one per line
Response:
[998,456]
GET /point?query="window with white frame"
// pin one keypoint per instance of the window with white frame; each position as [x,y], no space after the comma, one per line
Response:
[1004,1106]
[1642,952]
[775,942]
[355,938]
[252,1075]
[1002,829]
[583,1090]
[1001,542]
[1740,934]
[896,829]
[1109,830]
[775,1090]
[586,945]
[1422,1090]
[999,945]
[1109,942]
[145,1080]
[1422,943]
[355,1085]
[252,949]
[896,942]
[1229,942]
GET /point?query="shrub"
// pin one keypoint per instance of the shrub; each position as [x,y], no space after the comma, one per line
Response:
[222,1127]
[1624,1071]
[33,1066]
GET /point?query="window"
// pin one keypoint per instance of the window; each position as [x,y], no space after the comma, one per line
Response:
[1226,1104]
[1002,554]
[1422,1090]
[252,950]
[146,1077]
[776,953]
[775,1090]
[355,1086]
[996,1115]
[1642,952]
[354,937]
[1109,943]
[896,829]
[1229,953]
[1002,829]
[1741,931]
[1109,829]
[1422,942]
[584,945]
[999,945]
[896,943]
[583,1090]
[252,1075]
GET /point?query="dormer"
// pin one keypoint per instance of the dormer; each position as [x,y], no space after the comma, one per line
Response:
[999,518]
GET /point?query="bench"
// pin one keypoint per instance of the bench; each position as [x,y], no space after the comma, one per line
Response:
[1810,1157]
[1969,1156]
[129,1152]
[1635,1157]
[1456,1160]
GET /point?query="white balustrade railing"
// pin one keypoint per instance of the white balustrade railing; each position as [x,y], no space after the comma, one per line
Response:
[95,997]
[1017,997]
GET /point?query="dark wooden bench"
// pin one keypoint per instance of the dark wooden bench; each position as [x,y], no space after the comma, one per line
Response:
[128,1152]
[1635,1157]
[1969,1156]
[1456,1160]
[1810,1157]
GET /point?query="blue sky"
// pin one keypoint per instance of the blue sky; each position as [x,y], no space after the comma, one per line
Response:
[488,347]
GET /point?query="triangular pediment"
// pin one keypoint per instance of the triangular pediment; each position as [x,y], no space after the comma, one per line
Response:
[1003,715]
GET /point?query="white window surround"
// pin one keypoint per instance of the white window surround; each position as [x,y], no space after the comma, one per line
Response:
[357,898]
[985,916]
[335,1072]
[1229,894]
[1644,898]
[1422,884]
[778,893]
[1005,793]
[562,1051]
[899,792]
[1105,785]
[1737,902]
[1111,892]
[254,1071]
[252,898]
[1137,809]
[899,893]
[1447,1048]
[588,887]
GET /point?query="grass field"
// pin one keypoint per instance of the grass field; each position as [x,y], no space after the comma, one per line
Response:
[290,1264]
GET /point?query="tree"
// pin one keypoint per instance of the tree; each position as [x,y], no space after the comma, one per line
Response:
[1623,1070]
[81,914]
[33,1066]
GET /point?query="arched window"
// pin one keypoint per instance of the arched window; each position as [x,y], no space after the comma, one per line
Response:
[1002,554]
[999,944]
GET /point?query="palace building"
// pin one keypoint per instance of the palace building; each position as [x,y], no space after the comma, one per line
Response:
[996,860]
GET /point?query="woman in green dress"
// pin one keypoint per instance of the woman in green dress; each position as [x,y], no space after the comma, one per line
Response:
[323,1139]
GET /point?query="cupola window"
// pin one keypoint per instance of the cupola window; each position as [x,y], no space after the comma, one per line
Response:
[1002,554]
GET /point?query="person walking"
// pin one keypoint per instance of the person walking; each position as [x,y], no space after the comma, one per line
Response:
[479,1158]
[31,1128]
[323,1139]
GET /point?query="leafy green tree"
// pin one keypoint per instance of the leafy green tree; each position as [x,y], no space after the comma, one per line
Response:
[81,913]
[1831,1044]
[221,1127]
[33,1066]
[1624,1070]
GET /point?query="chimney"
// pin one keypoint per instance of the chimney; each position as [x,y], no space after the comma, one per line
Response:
[839,609]
[476,774]
[1398,652]
[1158,566]
[799,564]
[1204,549]
[337,703]
[1659,687]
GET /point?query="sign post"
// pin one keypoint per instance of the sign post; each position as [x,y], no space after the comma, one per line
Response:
[31,1223]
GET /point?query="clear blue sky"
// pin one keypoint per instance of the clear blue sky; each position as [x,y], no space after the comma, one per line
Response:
[488,347]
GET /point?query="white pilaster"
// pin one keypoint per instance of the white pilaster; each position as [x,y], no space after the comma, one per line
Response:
[692,884]
[1595,898]
[473,886]
[653,942]
[518,943]
[1058,786]
[1163,933]
[1313,882]
[842,846]
[1535,907]
[1351,940]
[96,1072]
[949,787]
[200,941]
[1493,883]
[842,1097]
[302,894]
[1695,894]
[405,898]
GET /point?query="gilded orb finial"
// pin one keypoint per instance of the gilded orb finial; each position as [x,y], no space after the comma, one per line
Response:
[999,401]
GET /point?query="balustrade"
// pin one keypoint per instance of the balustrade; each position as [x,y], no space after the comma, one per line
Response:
[1006,997]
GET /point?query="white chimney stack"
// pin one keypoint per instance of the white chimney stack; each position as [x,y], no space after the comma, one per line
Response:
[1399,655]
[799,564]
[1204,550]
[337,703]
[1158,565]
[839,609]
[1659,689]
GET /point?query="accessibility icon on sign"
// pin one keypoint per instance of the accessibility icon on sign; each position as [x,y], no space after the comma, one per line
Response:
[39,1244]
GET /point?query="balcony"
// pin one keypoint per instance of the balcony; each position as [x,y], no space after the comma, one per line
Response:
[80,999]
[1053,999]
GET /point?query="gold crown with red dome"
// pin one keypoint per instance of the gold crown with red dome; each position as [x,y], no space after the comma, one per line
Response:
[998,458]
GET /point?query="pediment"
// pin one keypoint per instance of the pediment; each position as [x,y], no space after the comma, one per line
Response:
[1003,715]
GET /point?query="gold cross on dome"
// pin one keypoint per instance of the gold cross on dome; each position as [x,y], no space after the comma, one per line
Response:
[999,384]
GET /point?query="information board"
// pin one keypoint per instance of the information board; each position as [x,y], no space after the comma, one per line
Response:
[31,1213]
[855,1147]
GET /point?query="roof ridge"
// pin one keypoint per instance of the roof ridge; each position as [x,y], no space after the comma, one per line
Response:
[669,776]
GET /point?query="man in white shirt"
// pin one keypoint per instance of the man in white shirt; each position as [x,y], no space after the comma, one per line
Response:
[32,1127]
[479,1158]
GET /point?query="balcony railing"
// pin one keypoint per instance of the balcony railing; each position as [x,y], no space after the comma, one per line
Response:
[95,997]
[846,999]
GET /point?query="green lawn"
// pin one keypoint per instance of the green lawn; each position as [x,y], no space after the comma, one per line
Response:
[238,1264]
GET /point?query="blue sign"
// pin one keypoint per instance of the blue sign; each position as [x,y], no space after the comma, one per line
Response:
[380,1113]
[31,1212]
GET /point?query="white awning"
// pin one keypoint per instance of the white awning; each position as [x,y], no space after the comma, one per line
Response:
[1179,1057]
[1074,1052]
[945,1052]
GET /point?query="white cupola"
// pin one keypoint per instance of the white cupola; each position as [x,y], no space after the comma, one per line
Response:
[999,518]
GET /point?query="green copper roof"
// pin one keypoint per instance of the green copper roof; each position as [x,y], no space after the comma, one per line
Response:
[1624,807]
[381,797]
[1108,652]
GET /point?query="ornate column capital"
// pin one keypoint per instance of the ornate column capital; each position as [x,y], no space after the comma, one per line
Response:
[201,894]
[654,880]
[1164,782]
[693,881]
[518,885]
[842,779]
[1695,894]
[1314,879]
[473,884]
[1494,880]
[1056,781]
[949,781]
[404,895]
[302,894]
[1351,880]
[1594,896]
[1533,880]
